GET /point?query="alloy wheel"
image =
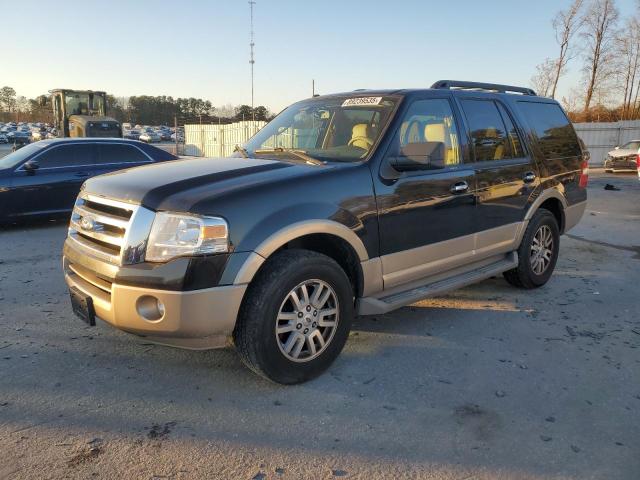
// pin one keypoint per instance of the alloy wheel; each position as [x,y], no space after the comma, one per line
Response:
[307,320]
[541,250]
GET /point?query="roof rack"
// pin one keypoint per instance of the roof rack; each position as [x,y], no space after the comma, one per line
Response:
[491,87]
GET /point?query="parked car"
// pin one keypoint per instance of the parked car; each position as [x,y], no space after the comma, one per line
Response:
[3,138]
[44,178]
[132,134]
[165,135]
[19,137]
[381,199]
[149,136]
[624,158]
[37,135]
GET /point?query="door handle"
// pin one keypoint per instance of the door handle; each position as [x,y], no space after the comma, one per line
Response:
[459,187]
[529,177]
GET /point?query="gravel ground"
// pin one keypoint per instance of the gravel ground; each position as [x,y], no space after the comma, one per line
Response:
[5,149]
[487,382]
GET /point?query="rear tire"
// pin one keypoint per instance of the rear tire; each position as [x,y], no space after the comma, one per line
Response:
[538,252]
[295,318]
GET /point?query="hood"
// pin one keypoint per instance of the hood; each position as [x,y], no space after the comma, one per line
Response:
[622,153]
[178,185]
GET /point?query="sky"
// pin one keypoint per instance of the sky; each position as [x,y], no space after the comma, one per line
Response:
[200,49]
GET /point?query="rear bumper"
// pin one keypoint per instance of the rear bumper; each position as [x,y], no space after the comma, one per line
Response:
[196,319]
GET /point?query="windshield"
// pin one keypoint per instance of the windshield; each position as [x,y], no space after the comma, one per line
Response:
[84,104]
[335,129]
[18,156]
[631,146]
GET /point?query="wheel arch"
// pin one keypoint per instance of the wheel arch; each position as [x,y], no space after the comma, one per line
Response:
[330,238]
[553,200]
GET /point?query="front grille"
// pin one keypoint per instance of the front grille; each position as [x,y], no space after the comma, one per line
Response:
[99,226]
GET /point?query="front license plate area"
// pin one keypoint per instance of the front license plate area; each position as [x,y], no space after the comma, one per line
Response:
[82,306]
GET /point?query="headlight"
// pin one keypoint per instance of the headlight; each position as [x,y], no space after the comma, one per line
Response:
[175,235]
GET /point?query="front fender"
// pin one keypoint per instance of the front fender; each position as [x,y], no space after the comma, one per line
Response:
[294,221]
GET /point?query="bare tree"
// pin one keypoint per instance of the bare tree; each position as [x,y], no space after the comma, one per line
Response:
[628,59]
[543,80]
[566,23]
[599,24]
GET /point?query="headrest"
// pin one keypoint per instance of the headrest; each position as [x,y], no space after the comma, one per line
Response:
[434,132]
[360,130]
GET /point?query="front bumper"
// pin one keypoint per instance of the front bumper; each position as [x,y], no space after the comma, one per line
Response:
[196,319]
[620,164]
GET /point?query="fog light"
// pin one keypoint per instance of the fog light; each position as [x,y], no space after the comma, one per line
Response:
[150,308]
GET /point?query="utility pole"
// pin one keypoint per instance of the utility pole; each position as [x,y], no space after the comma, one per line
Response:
[313,88]
[251,57]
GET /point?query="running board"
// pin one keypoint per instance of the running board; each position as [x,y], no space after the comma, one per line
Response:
[377,306]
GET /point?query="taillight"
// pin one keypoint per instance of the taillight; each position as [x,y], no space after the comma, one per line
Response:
[638,161]
[584,174]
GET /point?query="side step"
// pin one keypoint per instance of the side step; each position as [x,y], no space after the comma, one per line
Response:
[373,306]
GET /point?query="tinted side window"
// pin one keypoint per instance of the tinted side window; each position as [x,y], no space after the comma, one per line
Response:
[121,154]
[429,129]
[514,143]
[556,137]
[67,156]
[490,136]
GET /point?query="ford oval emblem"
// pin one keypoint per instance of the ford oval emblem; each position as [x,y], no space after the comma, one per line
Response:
[88,223]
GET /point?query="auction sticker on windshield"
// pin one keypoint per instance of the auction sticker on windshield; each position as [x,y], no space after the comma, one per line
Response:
[361,101]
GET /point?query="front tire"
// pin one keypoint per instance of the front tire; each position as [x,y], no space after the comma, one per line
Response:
[295,318]
[538,252]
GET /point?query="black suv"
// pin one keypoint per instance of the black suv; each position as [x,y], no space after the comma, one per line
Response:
[350,204]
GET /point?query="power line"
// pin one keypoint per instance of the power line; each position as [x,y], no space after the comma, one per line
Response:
[252,60]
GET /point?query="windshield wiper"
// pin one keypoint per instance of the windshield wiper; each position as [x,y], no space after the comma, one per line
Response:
[242,150]
[301,154]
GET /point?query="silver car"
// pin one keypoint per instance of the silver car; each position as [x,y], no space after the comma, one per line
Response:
[624,158]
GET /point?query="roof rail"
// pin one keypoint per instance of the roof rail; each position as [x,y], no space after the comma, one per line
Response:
[492,87]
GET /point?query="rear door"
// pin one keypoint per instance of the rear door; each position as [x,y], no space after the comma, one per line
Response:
[118,156]
[54,186]
[506,173]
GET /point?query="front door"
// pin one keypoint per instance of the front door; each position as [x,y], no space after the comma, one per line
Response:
[427,216]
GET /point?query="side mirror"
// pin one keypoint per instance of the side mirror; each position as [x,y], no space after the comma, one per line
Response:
[617,148]
[31,166]
[419,156]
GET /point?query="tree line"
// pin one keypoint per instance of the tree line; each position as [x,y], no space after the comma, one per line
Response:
[142,109]
[606,49]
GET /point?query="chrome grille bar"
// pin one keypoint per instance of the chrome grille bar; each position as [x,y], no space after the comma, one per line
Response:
[102,236]
[99,226]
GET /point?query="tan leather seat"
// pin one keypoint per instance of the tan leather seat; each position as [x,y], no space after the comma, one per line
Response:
[499,151]
[361,136]
[437,132]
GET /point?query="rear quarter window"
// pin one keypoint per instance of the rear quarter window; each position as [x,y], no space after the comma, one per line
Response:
[555,135]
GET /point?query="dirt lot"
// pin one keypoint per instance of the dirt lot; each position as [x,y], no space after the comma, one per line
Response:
[488,382]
